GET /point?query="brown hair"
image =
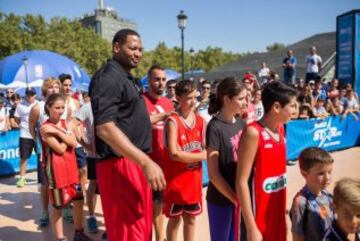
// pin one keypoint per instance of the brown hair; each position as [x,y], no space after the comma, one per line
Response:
[184,87]
[311,156]
[51,100]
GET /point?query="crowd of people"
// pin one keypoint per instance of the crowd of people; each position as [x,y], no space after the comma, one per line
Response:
[142,151]
[318,97]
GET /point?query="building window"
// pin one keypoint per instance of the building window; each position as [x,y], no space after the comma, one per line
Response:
[98,27]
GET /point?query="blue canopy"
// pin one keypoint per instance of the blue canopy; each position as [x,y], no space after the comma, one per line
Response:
[170,74]
[41,64]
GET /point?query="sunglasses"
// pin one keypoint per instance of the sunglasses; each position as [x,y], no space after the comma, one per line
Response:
[10,92]
[171,87]
[158,79]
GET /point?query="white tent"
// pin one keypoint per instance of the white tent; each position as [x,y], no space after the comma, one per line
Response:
[16,84]
[36,83]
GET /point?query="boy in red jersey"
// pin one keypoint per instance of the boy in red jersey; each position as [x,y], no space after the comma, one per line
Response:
[261,177]
[185,132]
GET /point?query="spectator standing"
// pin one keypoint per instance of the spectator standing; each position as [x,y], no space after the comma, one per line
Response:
[37,117]
[313,65]
[86,138]
[259,108]
[4,117]
[159,108]
[170,91]
[8,102]
[15,98]
[26,142]
[264,74]
[122,136]
[289,66]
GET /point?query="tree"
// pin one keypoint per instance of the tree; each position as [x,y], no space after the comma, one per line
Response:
[61,35]
[88,49]
[275,47]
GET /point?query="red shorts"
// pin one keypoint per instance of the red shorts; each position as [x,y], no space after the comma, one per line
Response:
[126,200]
[59,197]
[172,210]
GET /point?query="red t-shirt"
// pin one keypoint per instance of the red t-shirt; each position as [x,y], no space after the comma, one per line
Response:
[267,185]
[184,180]
[157,106]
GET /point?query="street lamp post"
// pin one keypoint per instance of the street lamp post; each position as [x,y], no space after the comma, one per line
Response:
[181,24]
[191,50]
[25,62]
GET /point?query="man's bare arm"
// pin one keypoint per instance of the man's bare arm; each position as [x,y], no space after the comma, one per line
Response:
[122,146]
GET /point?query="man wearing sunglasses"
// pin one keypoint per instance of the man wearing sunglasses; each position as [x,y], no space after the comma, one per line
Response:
[159,108]
[8,103]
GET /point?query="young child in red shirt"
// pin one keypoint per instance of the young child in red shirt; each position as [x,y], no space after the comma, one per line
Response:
[185,134]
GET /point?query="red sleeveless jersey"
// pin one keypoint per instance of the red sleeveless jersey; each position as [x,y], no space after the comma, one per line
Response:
[60,169]
[184,180]
[267,185]
[157,106]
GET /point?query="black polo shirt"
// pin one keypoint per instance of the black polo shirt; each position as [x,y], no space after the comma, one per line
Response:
[115,97]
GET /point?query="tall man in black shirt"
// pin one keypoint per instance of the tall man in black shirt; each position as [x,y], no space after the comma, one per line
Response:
[123,137]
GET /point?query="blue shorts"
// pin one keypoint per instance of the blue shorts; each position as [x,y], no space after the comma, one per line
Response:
[80,157]
[222,222]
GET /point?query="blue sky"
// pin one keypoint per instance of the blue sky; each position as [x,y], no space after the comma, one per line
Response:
[233,25]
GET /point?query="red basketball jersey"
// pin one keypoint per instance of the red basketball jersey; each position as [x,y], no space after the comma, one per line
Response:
[157,106]
[267,185]
[184,180]
[60,169]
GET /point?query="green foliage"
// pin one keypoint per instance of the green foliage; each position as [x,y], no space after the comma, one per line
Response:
[61,35]
[89,50]
[275,47]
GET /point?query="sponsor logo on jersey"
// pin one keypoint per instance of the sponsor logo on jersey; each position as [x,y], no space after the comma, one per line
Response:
[192,146]
[268,146]
[274,184]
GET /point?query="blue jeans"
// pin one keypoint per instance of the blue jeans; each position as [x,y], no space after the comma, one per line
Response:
[221,222]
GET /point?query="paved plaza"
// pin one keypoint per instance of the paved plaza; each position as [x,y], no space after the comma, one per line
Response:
[20,208]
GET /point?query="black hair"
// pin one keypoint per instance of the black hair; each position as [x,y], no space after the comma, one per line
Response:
[51,100]
[121,35]
[205,82]
[152,68]
[171,81]
[229,87]
[276,91]
[184,87]
[15,96]
[63,77]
